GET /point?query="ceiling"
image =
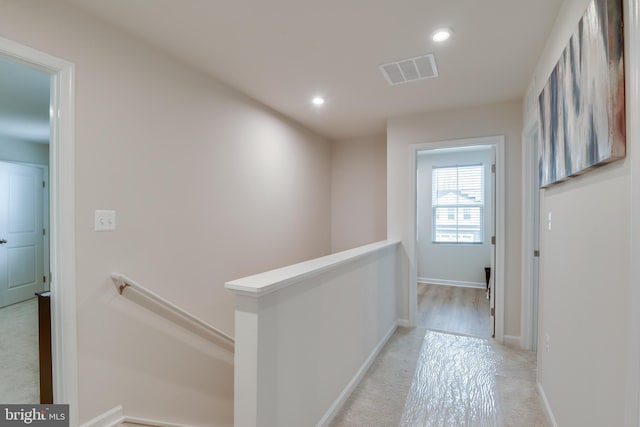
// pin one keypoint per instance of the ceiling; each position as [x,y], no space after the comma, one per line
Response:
[24,103]
[283,52]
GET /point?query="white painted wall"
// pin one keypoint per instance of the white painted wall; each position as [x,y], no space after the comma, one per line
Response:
[208,186]
[358,192]
[461,264]
[489,120]
[632,330]
[307,333]
[585,278]
[24,152]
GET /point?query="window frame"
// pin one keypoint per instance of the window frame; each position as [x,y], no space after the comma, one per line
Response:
[460,210]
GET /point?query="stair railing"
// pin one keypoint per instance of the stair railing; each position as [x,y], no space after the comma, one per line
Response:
[123,282]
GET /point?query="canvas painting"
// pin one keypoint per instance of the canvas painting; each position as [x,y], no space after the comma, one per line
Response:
[581,108]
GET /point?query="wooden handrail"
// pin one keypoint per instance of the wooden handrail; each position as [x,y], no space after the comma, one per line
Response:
[123,282]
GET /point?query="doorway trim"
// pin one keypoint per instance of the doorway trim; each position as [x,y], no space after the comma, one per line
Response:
[498,142]
[62,219]
[529,307]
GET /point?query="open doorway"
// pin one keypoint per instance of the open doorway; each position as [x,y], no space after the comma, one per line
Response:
[61,236]
[24,228]
[495,146]
[455,210]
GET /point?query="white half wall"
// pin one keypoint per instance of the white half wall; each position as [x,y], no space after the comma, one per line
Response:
[306,333]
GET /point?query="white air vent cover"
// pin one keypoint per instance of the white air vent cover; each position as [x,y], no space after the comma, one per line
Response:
[408,70]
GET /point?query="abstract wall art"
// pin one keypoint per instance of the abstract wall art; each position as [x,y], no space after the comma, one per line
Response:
[581,114]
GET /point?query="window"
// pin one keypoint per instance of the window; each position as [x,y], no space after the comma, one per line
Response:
[458,204]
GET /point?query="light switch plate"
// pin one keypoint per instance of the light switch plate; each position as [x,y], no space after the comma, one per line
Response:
[105,221]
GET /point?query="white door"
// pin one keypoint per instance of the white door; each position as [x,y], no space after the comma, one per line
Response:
[492,281]
[22,240]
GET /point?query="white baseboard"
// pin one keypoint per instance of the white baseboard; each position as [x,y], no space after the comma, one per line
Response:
[547,407]
[512,341]
[342,398]
[110,418]
[116,416]
[458,283]
[404,323]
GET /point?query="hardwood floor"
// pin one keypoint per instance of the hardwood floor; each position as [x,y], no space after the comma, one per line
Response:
[454,309]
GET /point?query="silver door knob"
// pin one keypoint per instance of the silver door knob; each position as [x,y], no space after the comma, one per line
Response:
[3,241]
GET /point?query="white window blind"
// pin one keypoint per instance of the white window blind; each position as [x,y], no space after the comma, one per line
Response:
[458,204]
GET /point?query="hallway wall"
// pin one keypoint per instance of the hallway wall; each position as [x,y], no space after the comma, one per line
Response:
[208,186]
[358,192]
[585,281]
[23,151]
[488,120]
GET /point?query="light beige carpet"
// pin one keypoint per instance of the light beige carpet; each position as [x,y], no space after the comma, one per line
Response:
[380,397]
[19,353]
[428,378]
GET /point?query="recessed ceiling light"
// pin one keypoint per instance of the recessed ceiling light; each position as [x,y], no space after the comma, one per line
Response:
[441,35]
[317,100]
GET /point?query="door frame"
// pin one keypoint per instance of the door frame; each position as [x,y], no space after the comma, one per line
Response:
[499,274]
[529,301]
[62,218]
[46,226]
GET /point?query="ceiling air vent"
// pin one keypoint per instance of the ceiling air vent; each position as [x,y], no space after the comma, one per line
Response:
[408,70]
